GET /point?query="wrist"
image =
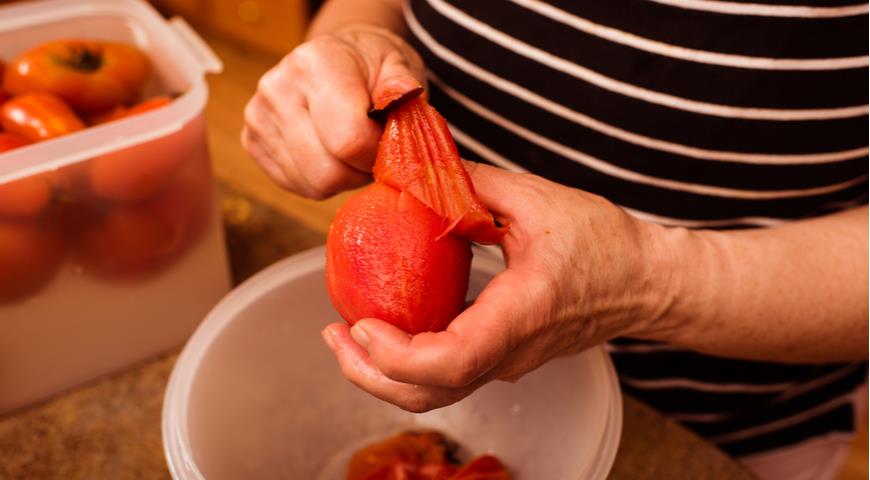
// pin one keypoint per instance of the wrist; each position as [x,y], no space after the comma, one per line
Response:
[688,266]
[668,256]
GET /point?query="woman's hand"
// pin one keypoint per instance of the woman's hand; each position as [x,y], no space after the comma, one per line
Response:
[578,273]
[307,125]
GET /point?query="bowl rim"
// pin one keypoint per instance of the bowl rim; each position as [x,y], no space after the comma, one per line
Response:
[176,439]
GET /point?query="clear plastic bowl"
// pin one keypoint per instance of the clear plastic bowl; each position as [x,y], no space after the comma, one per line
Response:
[123,254]
[256,394]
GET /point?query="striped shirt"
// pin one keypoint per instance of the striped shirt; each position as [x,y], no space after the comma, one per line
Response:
[695,113]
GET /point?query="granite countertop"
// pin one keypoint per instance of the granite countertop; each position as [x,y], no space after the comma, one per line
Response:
[110,429]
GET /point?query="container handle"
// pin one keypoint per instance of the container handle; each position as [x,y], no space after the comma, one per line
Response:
[208,60]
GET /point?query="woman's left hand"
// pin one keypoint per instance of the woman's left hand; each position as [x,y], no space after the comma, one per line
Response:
[580,271]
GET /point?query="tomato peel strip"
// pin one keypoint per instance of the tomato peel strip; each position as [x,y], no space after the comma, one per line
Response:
[417,154]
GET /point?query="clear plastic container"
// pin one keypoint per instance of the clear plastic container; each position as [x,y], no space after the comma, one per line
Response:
[111,245]
[256,394]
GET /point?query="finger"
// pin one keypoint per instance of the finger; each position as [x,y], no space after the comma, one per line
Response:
[357,367]
[496,187]
[338,99]
[477,341]
[264,141]
[302,156]
[326,174]
[394,82]
[252,145]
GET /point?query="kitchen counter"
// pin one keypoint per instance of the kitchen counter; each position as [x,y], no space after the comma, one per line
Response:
[111,428]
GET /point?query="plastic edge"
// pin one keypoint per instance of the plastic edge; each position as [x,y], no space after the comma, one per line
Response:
[208,60]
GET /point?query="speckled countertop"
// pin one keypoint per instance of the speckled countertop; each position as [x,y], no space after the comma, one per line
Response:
[110,429]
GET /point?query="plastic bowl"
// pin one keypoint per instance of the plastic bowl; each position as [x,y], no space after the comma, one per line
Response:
[256,394]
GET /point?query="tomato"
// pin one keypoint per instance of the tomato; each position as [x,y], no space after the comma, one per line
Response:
[28,196]
[11,141]
[485,467]
[133,239]
[129,240]
[141,171]
[3,95]
[38,116]
[123,112]
[29,256]
[386,258]
[410,455]
[91,75]
[423,455]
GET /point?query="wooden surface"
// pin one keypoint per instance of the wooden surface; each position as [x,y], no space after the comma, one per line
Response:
[110,429]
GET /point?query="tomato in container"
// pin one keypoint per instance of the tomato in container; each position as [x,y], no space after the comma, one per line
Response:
[27,197]
[138,172]
[30,253]
[132,239]
[90,75]
[105,193]
[424,455]
[39,116]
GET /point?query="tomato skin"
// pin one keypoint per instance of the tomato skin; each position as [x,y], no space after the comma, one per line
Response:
[423,455]
[28,196]
[29,256]
[91,75]
[386,259]
[485,467]
[38,116]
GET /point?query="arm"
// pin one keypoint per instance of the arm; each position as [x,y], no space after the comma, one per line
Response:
[581,271]
[791,293]
[337,14]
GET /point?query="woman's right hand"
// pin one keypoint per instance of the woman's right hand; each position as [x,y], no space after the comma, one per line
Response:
[308,124]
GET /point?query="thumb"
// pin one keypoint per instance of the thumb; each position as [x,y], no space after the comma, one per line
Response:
[393,89]
[401,76]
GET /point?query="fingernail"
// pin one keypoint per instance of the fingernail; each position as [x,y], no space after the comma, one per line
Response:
[360,336]
[327,338]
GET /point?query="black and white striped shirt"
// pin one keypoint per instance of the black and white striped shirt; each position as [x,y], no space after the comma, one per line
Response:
[696,113]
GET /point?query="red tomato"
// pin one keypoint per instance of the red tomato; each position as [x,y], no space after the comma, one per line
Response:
[3,95]
[123,112]
[38,116]
[91,75]
[387,258]
[133,239]
[29,256]
[485,467]
[11,141]
[130,239]
[141,171]
[410,455]
[26,197]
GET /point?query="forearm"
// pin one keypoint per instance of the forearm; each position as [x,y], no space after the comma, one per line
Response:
[793,293]
[336,14]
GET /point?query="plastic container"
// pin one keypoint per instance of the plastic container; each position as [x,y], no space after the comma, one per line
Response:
[125,254]
[256,394]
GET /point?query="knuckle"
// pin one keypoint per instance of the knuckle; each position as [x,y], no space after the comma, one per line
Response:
[251,114]
[351,144]
[329,179]
[462,375]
